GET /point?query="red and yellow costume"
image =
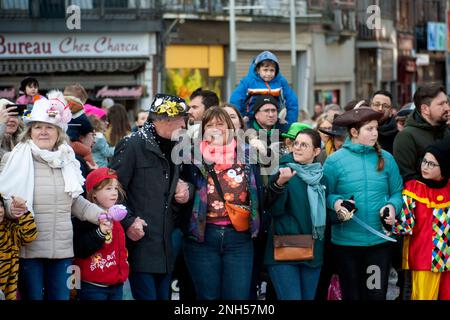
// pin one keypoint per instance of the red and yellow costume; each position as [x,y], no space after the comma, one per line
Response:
[425,222]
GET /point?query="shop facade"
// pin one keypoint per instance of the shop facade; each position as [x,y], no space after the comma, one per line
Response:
[109,65]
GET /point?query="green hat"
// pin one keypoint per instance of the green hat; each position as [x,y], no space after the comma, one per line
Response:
[294,129]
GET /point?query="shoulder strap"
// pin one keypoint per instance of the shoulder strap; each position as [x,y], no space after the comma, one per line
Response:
[212,173]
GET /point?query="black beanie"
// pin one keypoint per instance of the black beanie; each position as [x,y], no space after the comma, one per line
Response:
[262,100]
[441,151]
[79,126]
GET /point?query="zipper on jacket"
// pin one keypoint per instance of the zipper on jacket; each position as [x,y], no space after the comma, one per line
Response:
[366,217]
[54,215]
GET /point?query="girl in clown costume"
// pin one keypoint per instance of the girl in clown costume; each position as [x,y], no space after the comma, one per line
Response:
[425,222]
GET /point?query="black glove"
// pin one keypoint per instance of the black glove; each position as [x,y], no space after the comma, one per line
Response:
[386,226]
[350,206]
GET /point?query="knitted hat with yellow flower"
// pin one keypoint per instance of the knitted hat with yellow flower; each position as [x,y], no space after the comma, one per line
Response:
[167,106]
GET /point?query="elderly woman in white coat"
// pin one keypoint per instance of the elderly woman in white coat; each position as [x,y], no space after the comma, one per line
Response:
[42,175]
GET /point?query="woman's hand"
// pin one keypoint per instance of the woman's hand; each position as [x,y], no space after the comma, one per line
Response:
[18,207]
[342,212]
[136,231]
[91,167]
[105,225]
[182,192]
[6,113]
[390,219]
[286,174]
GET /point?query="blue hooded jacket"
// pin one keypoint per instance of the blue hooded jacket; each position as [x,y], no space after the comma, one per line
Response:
[351,171]
[253,84]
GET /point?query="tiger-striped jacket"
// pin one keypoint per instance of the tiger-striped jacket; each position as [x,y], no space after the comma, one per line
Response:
[13,235]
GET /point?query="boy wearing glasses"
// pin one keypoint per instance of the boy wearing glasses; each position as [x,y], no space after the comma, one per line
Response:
[387,130]
[424,221]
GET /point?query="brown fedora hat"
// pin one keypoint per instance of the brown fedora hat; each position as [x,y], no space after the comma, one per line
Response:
[357,115]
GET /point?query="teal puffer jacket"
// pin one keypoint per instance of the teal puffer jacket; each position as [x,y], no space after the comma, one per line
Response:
[352,171]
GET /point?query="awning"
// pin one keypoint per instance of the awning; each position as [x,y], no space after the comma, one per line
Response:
[33,66]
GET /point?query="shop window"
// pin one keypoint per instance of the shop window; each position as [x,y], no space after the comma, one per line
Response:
[14,4]
[183,81]
[325,97]
[48,9]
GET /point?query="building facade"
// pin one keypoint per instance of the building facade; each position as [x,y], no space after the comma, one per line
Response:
[113,51]
[198,46]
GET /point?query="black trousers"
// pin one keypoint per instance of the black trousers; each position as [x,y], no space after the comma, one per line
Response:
[363,271]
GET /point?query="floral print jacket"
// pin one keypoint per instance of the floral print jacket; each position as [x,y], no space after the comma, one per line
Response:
[197,175]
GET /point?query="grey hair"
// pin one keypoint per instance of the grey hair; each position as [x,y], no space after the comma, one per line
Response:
[62,136]
[333,106]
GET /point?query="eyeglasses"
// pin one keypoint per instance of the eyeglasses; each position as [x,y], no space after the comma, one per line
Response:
[378,105]
[429,164]
[325,128]
[301,145]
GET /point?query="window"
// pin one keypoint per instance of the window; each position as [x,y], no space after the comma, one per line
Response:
[14,4]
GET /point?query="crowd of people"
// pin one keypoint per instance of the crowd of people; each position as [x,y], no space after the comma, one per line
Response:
[255,196]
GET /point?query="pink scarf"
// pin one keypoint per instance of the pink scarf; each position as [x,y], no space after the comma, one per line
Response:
[223,156]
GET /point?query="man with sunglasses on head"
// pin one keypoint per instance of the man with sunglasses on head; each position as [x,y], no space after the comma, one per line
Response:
[387,130]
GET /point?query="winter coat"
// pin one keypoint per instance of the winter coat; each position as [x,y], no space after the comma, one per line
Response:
[241,96]
[13,235]
[144,173]
[291,216]
[387,133]
[424,220]
[352,171]
[99,261]
[24,99]
[52,208]
[101,150]
[83,151]
[411,142]
[197,175]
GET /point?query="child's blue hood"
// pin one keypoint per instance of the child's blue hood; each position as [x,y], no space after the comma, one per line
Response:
[265,55]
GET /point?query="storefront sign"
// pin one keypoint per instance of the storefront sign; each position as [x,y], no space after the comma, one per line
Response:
[436,36]
[422,59]
[8,93]
[134,92]
[76,45]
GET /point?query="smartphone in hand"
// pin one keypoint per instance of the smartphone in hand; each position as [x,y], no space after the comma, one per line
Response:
[20,108]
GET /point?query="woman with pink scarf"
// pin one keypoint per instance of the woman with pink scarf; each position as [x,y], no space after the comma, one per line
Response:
[219,251]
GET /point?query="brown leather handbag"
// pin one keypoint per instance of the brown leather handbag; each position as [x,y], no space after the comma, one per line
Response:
[239,216]
[293,247]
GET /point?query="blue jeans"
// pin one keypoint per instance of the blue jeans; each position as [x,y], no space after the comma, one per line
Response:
[177,242]
[91,292]
[150,286]
[294,282]
[44,279]
[221,266]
